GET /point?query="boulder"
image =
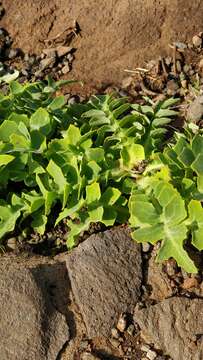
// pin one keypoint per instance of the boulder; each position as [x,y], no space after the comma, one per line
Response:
[33,321]
[105,273]
[175,326]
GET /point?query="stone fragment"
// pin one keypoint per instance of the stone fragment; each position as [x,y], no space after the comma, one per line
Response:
[195,110]
[65,69]
[88,356]
[172,326]
[151,355]
[50,52]
[115,333]
[48,62]
[158,280]
[105,273]
[63,50]
[122,323]
[189,283]
[172,87]
[197,41]
[32,327]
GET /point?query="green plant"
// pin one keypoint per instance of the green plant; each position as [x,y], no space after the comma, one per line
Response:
[105,161]
[169,195]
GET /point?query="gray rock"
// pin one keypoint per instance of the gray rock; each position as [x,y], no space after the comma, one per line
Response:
[175,325]
[48,62]
[105,273]
[195,110]
[31,325]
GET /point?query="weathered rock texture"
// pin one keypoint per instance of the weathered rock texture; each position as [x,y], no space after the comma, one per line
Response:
[195,110]
[176,326]
[158,281]
[105,273]
[31,325]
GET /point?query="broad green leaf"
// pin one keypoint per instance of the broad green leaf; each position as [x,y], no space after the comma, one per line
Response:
[96,214]
[110,196]
[7,128]
[6,159]
[56,173]
[40,121]
[69,212]
[72,135]
[162,121]
[196,220]
[75,230]
[48,195]
[8,217]
[39,222]
[109,216]
[132,155]
[19,142]
[162,216]
[96,154]
[197,145]
[200,183]
[172,246]
[16,87]
[93,193]
[197,165]
[57,103]
[149,234]
[186,157]
[165,113]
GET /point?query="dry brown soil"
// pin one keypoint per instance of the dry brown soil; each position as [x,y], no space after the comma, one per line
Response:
[115,34]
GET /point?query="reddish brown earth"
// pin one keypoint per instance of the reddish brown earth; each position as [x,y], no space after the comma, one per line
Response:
[115,34]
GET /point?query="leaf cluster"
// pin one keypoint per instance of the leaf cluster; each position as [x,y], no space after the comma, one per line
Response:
[104,160]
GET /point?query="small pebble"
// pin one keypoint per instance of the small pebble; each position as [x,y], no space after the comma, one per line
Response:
[47,63]
[115,343]
[12,243]
[70,57]
[12,53]
[24,72]
[201,64]
[63,50]
[131,330]
[84,344]
[197,41]
[65,69]
[127,82]
[186,68]
[189,283]
[172,87]
[115,333]
[122,323]
[145,247]
[50,52]
[88,356]
[180,45]
[171,267]
[151,355]
[145,348]
[178,66]
[184,84]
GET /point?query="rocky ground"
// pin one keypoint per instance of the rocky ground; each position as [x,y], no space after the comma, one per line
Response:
[108,299]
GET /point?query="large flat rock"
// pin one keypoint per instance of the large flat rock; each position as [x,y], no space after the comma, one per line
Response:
[175,326]
[105,273]
[33,325]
